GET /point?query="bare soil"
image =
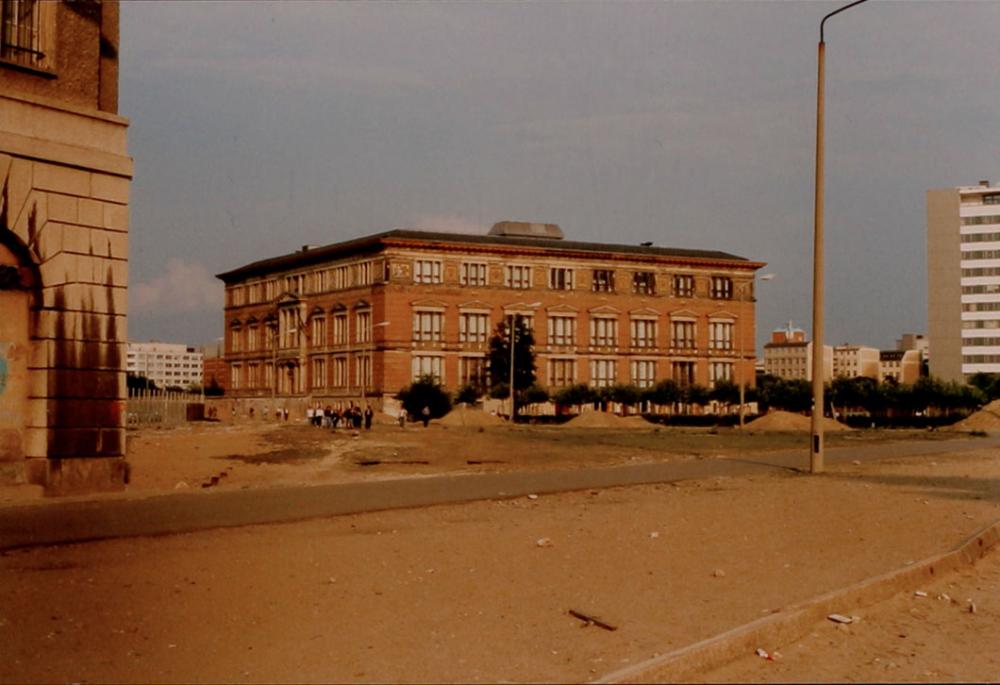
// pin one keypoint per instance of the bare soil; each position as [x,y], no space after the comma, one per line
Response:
[483,591]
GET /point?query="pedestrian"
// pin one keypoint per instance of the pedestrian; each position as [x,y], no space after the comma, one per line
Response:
[328,417]
[335,419]
[402,418]
[286,413]
[369,415]
[425,415]
[251,413]
[356,417]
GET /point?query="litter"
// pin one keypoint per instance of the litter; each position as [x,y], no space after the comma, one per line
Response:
[840,618]
[919,593]
[543,542]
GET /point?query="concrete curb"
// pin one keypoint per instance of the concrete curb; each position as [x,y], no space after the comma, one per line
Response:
[798,620]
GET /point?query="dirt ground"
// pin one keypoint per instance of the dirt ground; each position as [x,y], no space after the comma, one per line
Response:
[266,454]
[482,591]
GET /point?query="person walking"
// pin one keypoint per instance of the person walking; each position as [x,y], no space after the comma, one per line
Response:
[402,418]
[425,415]
[369,415]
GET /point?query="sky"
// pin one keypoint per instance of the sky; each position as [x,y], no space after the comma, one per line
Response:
[257,128]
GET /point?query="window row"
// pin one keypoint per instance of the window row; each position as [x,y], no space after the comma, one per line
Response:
[341,277]
[292,331]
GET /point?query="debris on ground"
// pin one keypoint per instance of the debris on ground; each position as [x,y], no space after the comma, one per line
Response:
[591,620]
[840,618]
[719,573]
[543,542]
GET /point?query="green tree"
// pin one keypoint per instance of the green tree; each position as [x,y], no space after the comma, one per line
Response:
[665,393]
[536,394]
[694,394]
[138,382]
[625,394]
[425,392]
[725,392]
[524,356]
[467,394]
[987,383]
[574,396]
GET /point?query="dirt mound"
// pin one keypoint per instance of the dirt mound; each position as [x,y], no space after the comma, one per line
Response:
[784,421]
[599,419]
[987,418]
[470,418]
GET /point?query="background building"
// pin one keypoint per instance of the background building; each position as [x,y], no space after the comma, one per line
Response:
[166,364]
[789,355]
[361,319]
[64,191]
[852,361]
[963,280]
[902,366]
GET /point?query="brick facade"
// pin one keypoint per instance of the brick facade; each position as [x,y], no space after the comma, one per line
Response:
[64,191]
[414,301]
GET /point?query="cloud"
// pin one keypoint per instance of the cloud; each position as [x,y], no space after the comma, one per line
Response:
[447,223]
[185,287]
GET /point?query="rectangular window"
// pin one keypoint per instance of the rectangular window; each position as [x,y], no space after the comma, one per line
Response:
[427,271]
[720,335]
[719,371]
[363,370]
[992,199]
[268,376]
[474,274]
[642,372]
[682,335]
[643,333]
[473,328]
[472,371]
[602,372]
[318,377]
[289,320]
[319,281]
[683,285]
[340,329]
[340,372]
[604,281]
[562,372]
[20,32]
[318,338]
[644,283]
[363,273]
[562,330]
[235,376]
[271,290]
[560,278]
[426,365]
[253,336]
[341,277]
[363,327]
[517,276]
[428,326]
[603,332]
[684,373]
[235,340]
[722,288]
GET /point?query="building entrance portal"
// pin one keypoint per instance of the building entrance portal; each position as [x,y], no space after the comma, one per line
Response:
[14,352]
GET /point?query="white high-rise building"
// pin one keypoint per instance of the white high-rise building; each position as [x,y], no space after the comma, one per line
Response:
[166,364]
[963,279]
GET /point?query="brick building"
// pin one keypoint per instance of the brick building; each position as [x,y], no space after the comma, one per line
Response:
[363,318]
[64,190]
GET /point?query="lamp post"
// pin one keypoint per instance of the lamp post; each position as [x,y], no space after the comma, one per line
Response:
[513,408]
[816,423]
[741,362]
[371,366]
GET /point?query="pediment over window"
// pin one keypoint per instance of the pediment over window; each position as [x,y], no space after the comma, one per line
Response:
[235,323]
[252,321]
[338,307]
[317,311]
[644,312]
[476,304]
[288,298]
[605,309]
[562,309]
[683,313]
[428,303]
[362,304]
[722,315]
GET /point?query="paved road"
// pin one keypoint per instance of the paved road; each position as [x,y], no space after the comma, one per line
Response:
[54,522]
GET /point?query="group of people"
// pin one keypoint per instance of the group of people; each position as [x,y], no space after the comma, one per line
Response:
[350,417]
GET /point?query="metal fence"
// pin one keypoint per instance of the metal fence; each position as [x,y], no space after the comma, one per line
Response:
[163,407]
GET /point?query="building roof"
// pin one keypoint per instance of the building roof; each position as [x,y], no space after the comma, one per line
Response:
[525,245]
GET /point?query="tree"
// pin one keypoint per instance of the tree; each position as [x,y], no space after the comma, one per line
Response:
[986,383]
[134,381]
[524,356]
[536,394]
[425,392]
[694,394]
[628,395]
[574,396]
[665,392]
[467,394]
[213,389]
[725,393]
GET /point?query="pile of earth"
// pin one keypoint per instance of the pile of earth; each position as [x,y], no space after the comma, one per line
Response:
[470,418]
[786,421]
[987,418]
[600,419]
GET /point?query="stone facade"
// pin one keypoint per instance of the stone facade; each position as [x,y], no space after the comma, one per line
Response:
[357,321]
[64,192]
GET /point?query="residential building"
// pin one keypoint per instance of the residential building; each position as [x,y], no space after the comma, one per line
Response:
[789,355]
[358,320]
[64,192]
[852,361]
[902,366]
[963,279]
[168,365]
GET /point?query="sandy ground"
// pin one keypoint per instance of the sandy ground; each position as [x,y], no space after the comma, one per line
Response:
[265,454]
[481,592]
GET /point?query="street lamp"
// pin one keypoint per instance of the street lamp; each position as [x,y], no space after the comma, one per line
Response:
[370,365]
[513,408]
[741,362]
[816,423]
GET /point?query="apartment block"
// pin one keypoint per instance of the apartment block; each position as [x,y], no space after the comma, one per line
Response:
[963,279]
[64,192]
[789,355]
[902,366]
[166,364]
[359,320]
[852,361]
